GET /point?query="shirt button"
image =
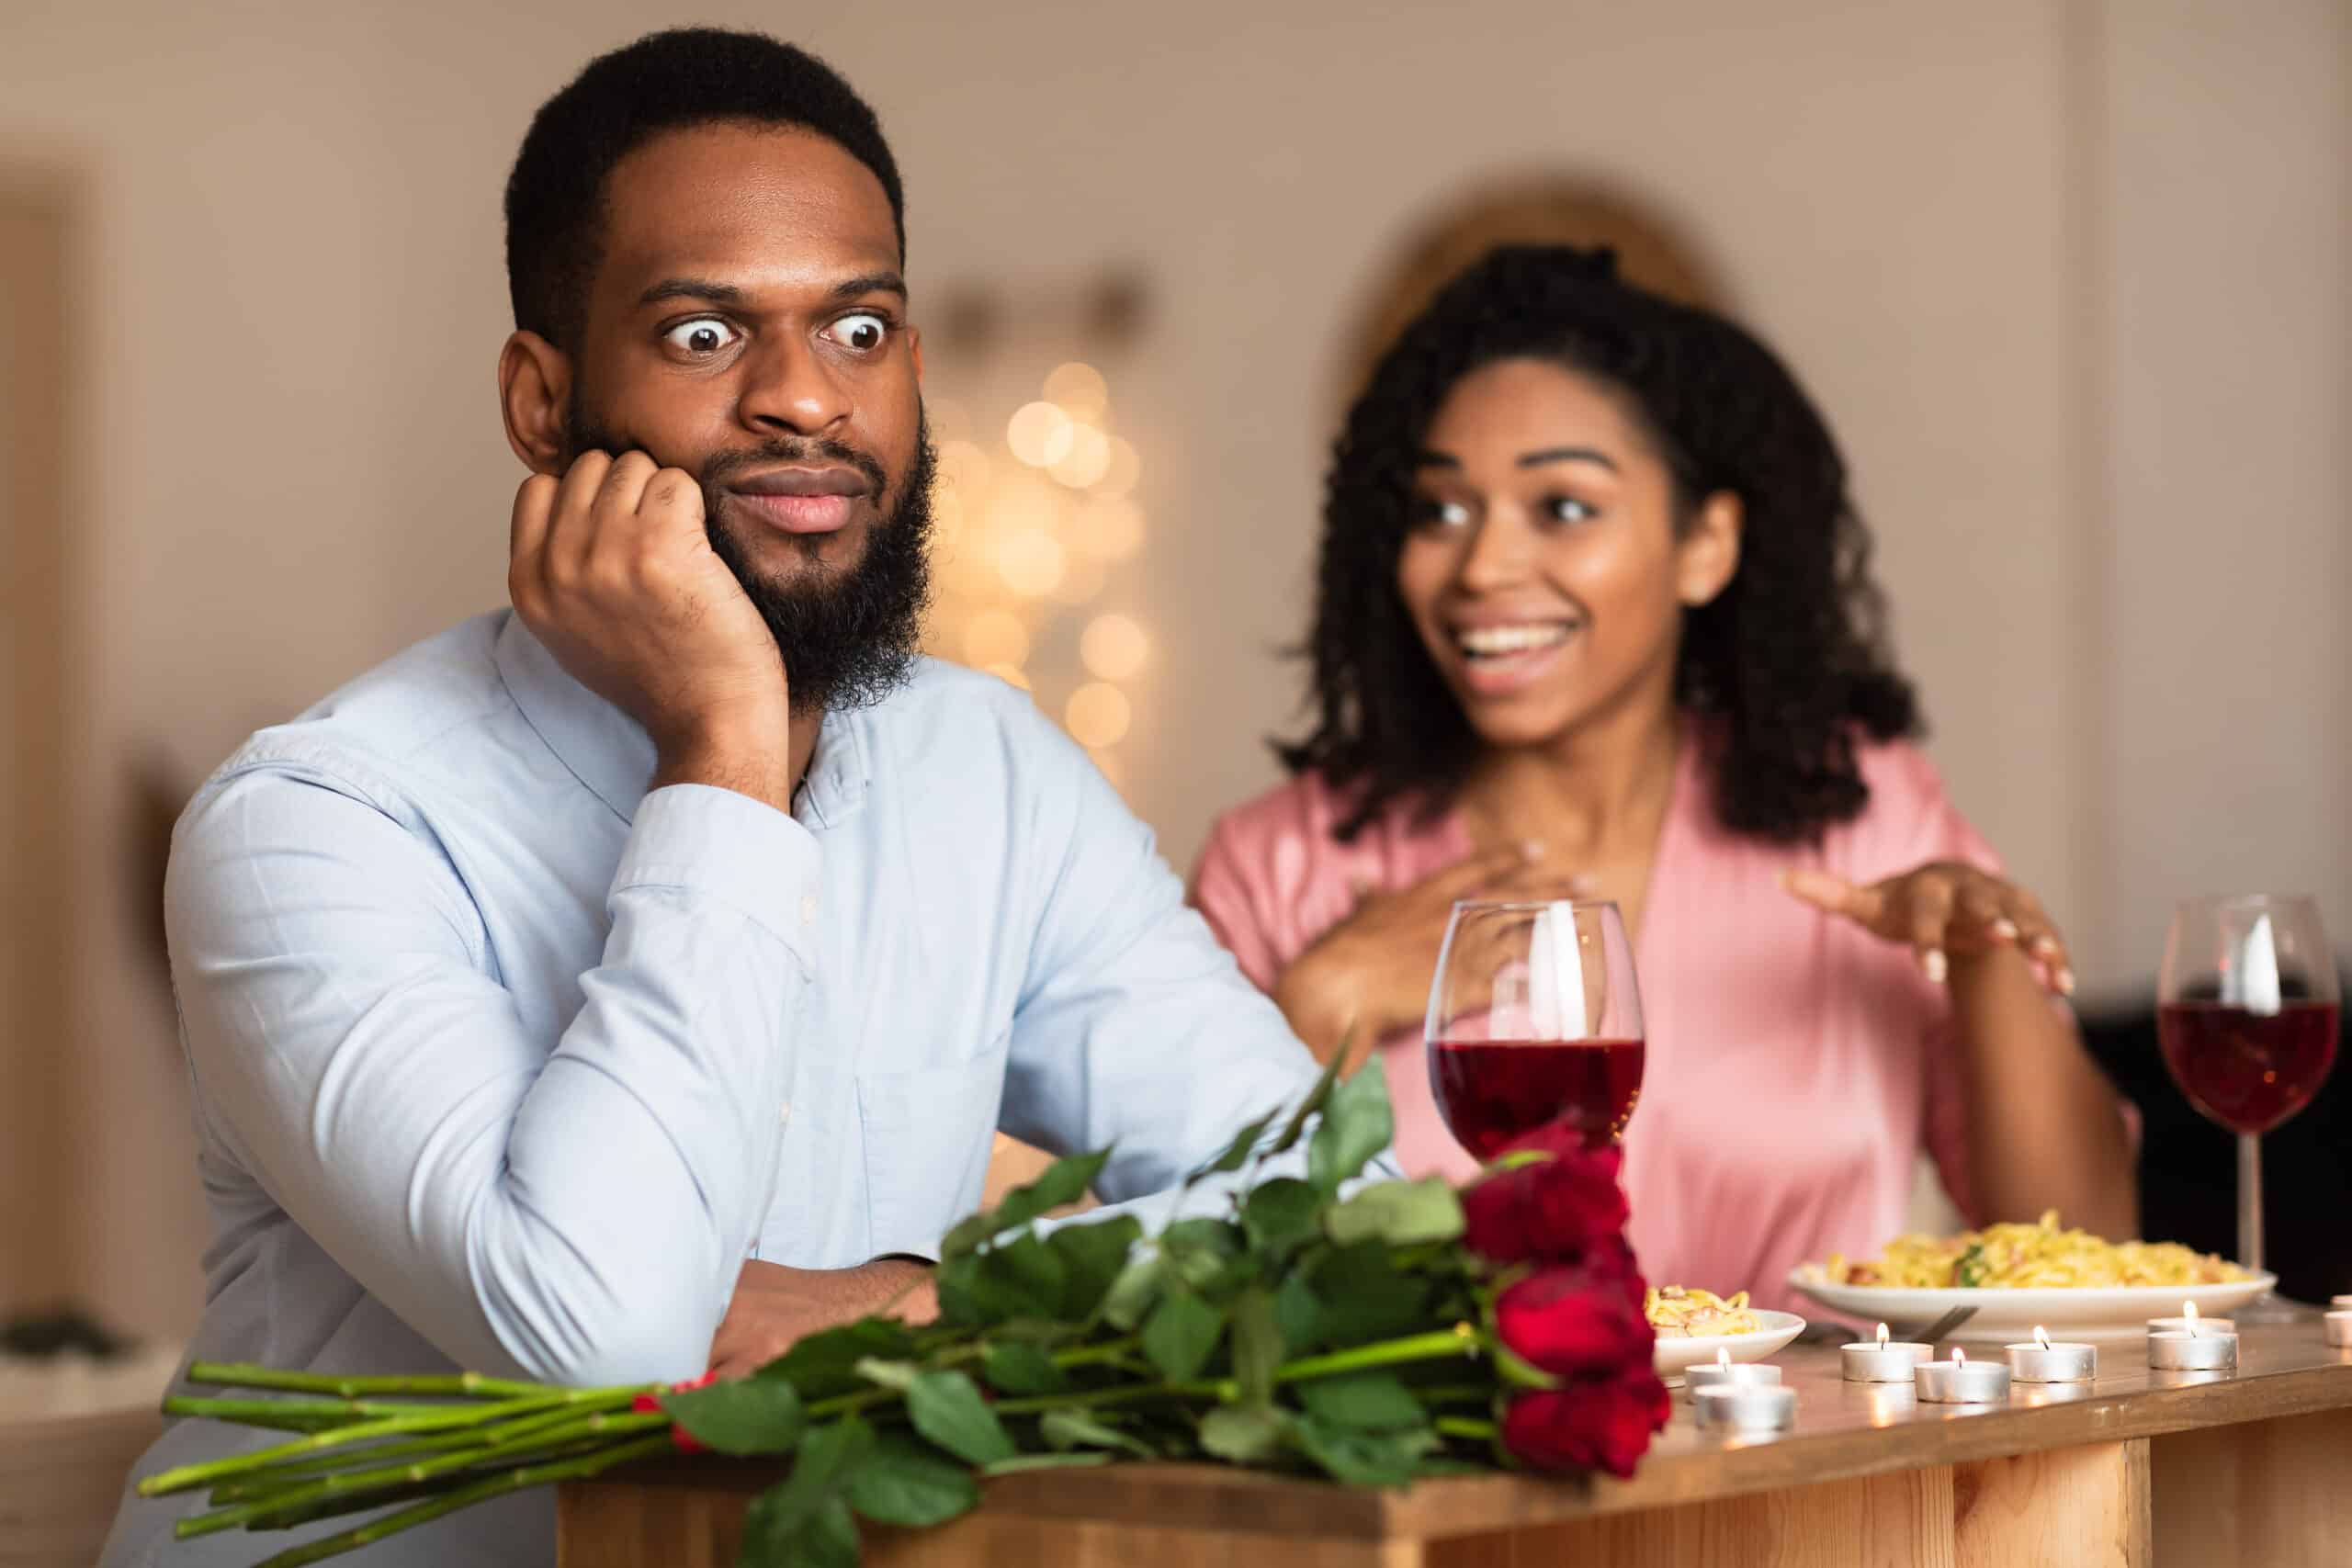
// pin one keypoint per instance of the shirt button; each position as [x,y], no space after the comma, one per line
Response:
[808,909]
[784,1114]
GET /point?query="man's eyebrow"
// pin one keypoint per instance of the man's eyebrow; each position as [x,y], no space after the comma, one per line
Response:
[884,282]
[692,289]
[705,289]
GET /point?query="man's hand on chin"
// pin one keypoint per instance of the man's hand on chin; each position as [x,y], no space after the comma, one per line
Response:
[774,1306]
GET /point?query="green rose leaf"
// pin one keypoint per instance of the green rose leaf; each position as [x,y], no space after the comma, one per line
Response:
[895,1376]
[1365,1401]
[1363,1296]
[1241,1434]
[804,1518]
[1064,1182]
[1314,1101]
[947,1407]
[1257,1346]
[1281,1214]
[1237,1152]
[1021,1277]
[910,1484]
[1355,1126]
[1076,1429]
[1018,1367]
[1183,1330]
[1401,1213]
[1299,1316]
[748,1416]
[1364,1459]
[825,1363]
[1092,1254]
[1137,1290]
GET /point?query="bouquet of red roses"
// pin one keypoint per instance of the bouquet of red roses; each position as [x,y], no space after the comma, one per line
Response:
[1370,1333]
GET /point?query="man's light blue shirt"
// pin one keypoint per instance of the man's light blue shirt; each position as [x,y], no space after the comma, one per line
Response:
[501,1061]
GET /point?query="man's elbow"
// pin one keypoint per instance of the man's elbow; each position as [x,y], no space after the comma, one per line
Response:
[654,1326]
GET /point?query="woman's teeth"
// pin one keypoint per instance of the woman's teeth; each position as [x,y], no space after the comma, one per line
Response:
[1501,642]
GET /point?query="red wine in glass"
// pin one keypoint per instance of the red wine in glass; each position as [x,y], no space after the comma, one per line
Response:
[1535,1019]
[2246,1017]
[2248,1071]
[1492,1093]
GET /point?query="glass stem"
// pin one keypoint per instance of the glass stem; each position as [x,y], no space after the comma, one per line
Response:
[2250,1201]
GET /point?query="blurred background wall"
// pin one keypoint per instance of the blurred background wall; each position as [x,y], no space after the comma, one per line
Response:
[2071,279]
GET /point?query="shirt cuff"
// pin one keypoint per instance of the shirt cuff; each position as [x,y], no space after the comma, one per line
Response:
[718,843]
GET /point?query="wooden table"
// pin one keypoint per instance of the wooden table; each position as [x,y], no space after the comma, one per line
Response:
[2175,1470]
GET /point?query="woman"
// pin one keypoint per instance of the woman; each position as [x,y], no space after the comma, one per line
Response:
[1593,615]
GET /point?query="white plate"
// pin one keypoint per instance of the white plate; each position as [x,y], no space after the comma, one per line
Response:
[1676,1356]
[2007,1316]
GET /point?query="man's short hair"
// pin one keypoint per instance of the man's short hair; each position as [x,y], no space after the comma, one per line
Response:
[665,81]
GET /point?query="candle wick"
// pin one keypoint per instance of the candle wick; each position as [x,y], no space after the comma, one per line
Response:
[1882,1336]
[1958,1356]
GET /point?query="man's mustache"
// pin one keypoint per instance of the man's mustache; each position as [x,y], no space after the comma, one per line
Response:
[737,461]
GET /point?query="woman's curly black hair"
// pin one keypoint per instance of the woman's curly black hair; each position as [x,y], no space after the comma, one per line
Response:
[1785,664]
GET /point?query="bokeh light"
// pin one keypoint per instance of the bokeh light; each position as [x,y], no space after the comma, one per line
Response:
[995,637]
[1109,530]
[1097,714]
[1079,390]
[1039,434]
[1122,468]
[1032,563]
[1112,646]
[1088,459]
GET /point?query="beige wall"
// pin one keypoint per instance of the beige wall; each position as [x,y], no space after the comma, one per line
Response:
[1997,241]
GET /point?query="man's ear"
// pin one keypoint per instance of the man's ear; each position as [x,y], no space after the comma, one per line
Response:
[533,393]
[1708,556]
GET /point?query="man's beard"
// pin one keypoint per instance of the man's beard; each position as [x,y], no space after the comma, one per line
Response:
[849,634]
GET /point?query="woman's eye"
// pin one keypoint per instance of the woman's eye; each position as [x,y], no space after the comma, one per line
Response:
[863,331]
[701,337]
[1569,509]
[1430,512]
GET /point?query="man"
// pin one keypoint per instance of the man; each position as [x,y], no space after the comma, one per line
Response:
[591,995]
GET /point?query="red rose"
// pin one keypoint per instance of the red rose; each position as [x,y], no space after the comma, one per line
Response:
[1552,1207]
[1579,1318]
[1594,1424]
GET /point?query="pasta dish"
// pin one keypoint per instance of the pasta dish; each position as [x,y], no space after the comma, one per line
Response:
[2019,1255]
[1677,1312]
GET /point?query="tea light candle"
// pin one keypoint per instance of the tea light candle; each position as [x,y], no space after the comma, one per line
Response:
[2339,1327]
[1746,1407]
[1726,1373]
[1882,1362]
[2340,1303]
[2044,1362]
[2200,1345]
[1961,1380]
[2182,1324]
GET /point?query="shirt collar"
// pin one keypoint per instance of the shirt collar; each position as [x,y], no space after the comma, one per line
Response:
[611,754]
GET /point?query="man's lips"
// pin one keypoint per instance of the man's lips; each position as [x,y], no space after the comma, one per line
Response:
[802,500]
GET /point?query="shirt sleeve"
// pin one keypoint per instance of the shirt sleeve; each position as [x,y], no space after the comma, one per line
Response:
[575,1214]
[1133,1028]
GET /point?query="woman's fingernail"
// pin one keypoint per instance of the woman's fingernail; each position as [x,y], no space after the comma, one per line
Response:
[2066,982]
[2045,944]
[2006,929]
[1932,961]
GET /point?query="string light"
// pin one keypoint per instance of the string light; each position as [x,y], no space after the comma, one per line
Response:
[1036,523]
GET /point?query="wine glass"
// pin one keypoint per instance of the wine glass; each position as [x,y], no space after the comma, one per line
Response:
[2246,1017]
[1534,1017]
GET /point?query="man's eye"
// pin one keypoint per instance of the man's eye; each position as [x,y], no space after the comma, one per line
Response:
[863,331]
[701,336]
